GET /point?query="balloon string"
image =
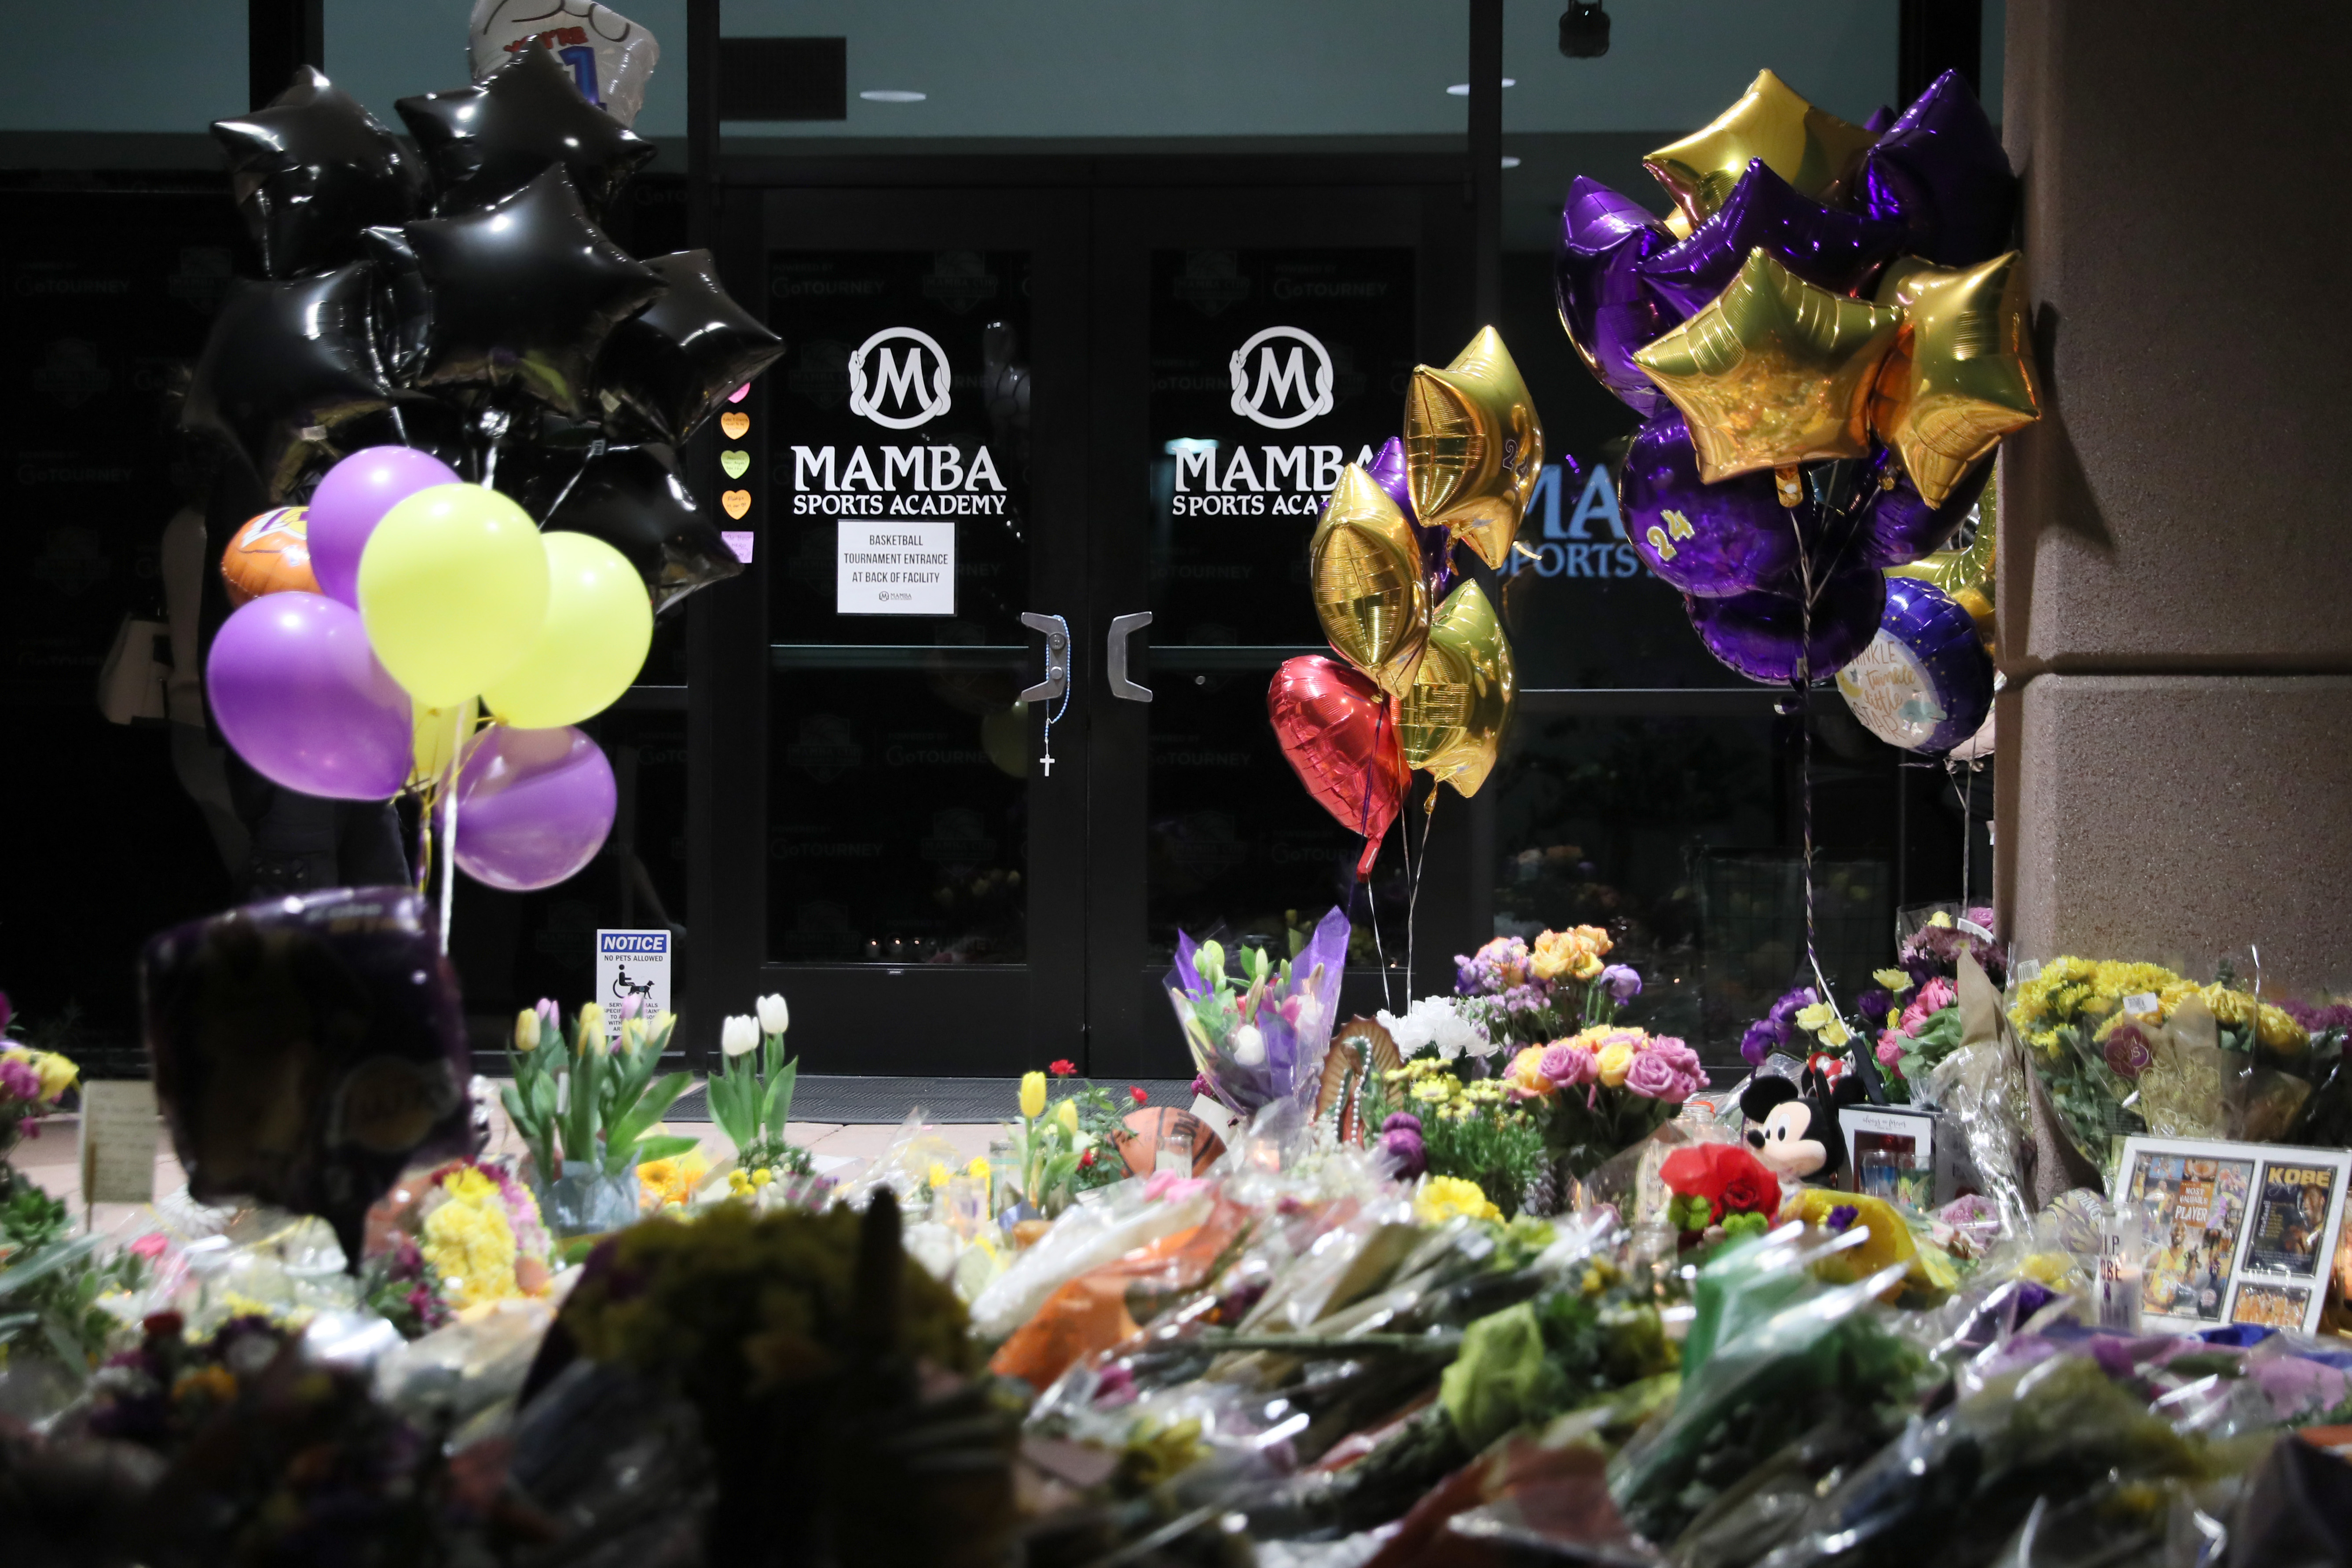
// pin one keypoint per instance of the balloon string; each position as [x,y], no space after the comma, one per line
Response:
[1805,742]
[595,450]
[449,828]
[1968,824]
[1414,865]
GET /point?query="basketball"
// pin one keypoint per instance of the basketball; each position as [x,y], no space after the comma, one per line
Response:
[271,554]
[1148,1126]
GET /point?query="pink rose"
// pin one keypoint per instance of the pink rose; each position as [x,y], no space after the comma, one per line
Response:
[1933,998]
[1653,1076]
[1690,1074]
[1889,1053]
[1565,1064]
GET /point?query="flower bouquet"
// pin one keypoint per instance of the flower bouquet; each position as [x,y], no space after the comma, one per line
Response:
[1065,1147]
[752,1100]
[1514,994]
[1721,1193]
[1431,1121]
[1259,1036]
[588,1115]
[1605,1087]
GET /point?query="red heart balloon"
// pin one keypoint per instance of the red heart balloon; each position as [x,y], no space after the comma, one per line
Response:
[1335,727]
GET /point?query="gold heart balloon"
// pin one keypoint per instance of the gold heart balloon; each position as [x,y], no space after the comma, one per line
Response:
[1961,375]
[1365,567]
[1773,372]
[1810,148]
[1450,723]
[1473,447]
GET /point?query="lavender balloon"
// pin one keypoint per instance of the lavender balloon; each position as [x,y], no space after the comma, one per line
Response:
[1708,540]
[1835,250]
[352,499]
[1901,527]
[297,690]
[533,806]
[1761,634]
[1436,544]
[1925,683]
[1606,310]
[1940,170]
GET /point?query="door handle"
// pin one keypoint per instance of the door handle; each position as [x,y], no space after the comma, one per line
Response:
[1121,628]
[1057,657]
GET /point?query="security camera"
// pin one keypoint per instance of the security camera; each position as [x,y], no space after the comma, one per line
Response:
[1584,30]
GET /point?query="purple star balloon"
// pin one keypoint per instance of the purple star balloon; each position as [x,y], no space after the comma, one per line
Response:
[1606,310]
[1831,250]
[1708,540]
[1901,527]
[1762,634]
[1940,170]
[1436,544]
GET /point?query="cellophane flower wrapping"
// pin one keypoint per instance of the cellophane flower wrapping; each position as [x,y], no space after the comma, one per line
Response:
[1258,1041]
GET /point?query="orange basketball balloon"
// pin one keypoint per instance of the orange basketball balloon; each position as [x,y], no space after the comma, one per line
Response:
[1147,1127]
[271,554]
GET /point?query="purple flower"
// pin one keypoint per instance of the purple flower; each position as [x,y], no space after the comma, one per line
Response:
[20,1081]
[1620,981]
[2314,1019]
[1757,1042]
[1843,1217]
[1773,1030]
[1404,1120]
[7,1011]
[1874,1004]
[1405,1149]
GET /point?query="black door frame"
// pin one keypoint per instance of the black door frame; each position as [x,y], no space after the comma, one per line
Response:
[1084,992]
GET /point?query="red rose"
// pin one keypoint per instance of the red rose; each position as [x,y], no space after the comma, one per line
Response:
[1137,1093]
[1086,1161]
[1062,1068]
[1749,1187]
[1692,1172]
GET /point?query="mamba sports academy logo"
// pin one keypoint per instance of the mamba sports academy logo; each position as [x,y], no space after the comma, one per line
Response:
[1274,383]
[898,378]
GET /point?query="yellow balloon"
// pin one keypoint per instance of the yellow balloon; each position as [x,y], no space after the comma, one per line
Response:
[1810,148]
[452,587]
[1473,447]
[437,736]
[1365,567]
[1961,375]
[590,647]
[1774,372]
[1450,723]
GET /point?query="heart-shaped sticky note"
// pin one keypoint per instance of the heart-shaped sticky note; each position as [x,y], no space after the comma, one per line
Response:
[736,461]
[734,423]
[737,503]
[740,393]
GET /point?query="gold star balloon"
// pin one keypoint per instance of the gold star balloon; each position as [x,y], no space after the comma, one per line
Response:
[1810,148]
[1365,567]
[1450,723]
[1961,375]
[1773,372]
[1473,447]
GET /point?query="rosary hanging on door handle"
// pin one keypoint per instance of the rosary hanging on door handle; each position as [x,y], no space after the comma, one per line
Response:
[1056,683]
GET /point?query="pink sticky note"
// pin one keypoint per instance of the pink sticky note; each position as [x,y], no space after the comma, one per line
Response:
[739,541]
[740,393]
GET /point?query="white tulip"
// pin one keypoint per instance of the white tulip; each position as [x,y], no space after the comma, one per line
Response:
[738,1035]
[1249,1046]
[774,1016]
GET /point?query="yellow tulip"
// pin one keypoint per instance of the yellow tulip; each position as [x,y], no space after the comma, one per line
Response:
[1032,1095]
[977,1168]
[1066,1113]
[1616,1061]
[527,1030]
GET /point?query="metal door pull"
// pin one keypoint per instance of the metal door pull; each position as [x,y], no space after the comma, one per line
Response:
[1057,657]
[1121,628]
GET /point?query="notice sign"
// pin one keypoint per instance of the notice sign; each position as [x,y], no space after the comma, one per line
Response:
[632,963]
[894,567]
[118,1130]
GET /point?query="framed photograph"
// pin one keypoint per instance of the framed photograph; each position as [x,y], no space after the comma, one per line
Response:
[2244,1233]
[1890,1153]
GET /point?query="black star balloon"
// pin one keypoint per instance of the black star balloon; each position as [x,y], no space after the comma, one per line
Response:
[525,290]
[633,500]
[403,302]
[487,141]
[287,372]
[312,169]
[668,369]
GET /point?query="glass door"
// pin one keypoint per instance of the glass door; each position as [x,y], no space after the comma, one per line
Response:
[914,882]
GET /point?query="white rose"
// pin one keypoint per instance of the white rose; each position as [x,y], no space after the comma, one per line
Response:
[738,1035]
[774,1016]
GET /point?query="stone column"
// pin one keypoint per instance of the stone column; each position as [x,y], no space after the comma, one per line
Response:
[2175,768]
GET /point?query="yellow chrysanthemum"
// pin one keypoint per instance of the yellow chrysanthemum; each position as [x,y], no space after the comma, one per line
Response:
[2275,1029]
[1442,1197]
[670,1184]
[469,1242]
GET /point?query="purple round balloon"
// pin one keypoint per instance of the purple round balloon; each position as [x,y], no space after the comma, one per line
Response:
[1761,634]
[1436,544]
[1606,310]
[533,806]
[1928,681]
[1710,540]
[1940,170]
[1831,250]
[352,499]
[1901,527]
[297,690]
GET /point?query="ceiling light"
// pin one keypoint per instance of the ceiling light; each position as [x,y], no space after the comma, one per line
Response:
[892,95]
[1461,89]
[1511,162]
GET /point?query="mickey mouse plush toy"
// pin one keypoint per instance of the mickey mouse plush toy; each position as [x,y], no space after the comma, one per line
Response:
[1796,1131]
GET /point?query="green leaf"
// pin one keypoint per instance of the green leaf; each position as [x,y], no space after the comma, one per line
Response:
[517,1113]
[652,1108]
[665,1146]
[778,1108]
